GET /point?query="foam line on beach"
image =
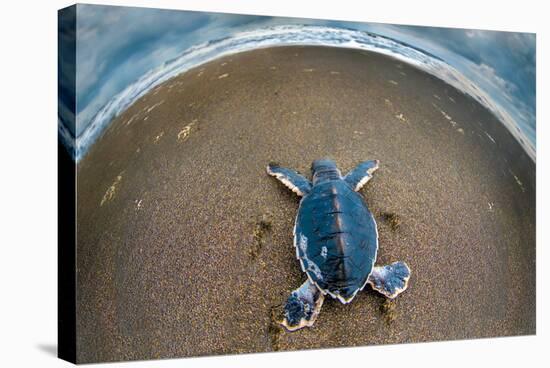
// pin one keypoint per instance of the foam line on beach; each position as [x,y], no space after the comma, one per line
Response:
[286,36]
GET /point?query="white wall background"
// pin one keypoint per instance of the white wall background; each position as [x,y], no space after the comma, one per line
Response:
[28,181]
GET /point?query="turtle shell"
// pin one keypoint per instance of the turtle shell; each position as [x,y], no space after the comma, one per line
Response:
[336,239]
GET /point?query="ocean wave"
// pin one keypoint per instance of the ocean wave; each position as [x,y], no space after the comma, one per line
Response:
[284,36]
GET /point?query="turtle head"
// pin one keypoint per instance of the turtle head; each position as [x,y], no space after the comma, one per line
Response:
[324,169]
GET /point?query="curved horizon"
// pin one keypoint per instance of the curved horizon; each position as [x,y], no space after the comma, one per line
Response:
[520,124]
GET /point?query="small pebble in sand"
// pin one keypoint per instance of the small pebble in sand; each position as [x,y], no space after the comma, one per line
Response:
[130,120]
[184,133]
[159,136]
[223,76]
[110,193]
[490,137]
[401,117]
[518,181]
[149,109]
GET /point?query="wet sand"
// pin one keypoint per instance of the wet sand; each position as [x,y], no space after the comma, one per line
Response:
[185,243]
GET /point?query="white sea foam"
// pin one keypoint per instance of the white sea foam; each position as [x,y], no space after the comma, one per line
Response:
[289,35]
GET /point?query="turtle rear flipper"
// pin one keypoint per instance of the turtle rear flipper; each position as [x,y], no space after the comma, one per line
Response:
[294,181]
[390,280]
[302,307]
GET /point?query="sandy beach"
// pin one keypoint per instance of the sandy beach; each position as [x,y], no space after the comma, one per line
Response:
[185,243]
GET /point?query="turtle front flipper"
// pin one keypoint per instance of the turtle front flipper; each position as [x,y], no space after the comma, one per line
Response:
[302,307]
[294,181]
[390,280]
[361,174]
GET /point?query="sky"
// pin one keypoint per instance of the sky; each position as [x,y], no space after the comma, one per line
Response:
[122,52]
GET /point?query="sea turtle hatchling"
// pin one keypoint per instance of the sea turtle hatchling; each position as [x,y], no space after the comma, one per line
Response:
[336,241]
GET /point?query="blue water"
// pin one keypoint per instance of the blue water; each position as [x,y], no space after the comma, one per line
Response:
[518,123]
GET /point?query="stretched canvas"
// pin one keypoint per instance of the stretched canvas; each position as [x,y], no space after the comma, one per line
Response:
[238,184]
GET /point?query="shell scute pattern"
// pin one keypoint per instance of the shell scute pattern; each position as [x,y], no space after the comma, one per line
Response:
[341,238]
